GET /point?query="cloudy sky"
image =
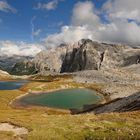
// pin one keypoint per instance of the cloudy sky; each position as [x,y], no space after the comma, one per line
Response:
[28,26]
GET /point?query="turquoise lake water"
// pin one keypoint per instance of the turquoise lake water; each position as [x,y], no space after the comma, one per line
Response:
[63,99]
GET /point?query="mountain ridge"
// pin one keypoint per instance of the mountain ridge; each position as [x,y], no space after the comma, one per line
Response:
[82,55]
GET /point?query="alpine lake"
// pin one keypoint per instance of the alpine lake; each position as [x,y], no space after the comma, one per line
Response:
[67,99]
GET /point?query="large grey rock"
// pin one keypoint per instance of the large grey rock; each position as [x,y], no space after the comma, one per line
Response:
[53,59]
[50,60]
[130,103]
[84,57]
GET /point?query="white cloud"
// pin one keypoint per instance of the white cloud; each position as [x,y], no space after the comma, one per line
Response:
[83,17]
[68,34]
[33,31]
[5,7]
[120,32]
[124,16]
[10,48]
[47,6]
[123,9]
[86,23]
[84,13]
[37,32]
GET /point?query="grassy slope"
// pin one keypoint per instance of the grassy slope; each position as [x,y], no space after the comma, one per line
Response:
[66,127]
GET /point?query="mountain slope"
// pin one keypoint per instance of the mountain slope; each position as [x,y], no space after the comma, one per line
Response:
[86,55]
[15,64]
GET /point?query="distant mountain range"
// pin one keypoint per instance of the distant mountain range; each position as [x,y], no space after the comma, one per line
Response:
[83,55]
[9,63]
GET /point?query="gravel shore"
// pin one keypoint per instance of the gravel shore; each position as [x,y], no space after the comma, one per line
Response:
[118,83]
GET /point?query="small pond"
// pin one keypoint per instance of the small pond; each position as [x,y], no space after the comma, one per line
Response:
[62,99]
[11,85]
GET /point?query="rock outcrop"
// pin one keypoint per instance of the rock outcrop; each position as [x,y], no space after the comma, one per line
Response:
[50,60]
[94,56]
[130,103]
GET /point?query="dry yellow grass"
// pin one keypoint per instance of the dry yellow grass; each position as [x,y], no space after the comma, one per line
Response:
[5,77]
[65,127]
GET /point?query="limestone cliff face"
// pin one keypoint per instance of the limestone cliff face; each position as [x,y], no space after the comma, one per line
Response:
[83,55]
[53,59]
[91,55]
[50,60]
[120,56]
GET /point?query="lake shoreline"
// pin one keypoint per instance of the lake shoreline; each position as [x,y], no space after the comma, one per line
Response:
[87,107]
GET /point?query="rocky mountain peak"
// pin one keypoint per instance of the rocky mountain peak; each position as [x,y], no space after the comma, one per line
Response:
[84,41]
[82,55]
